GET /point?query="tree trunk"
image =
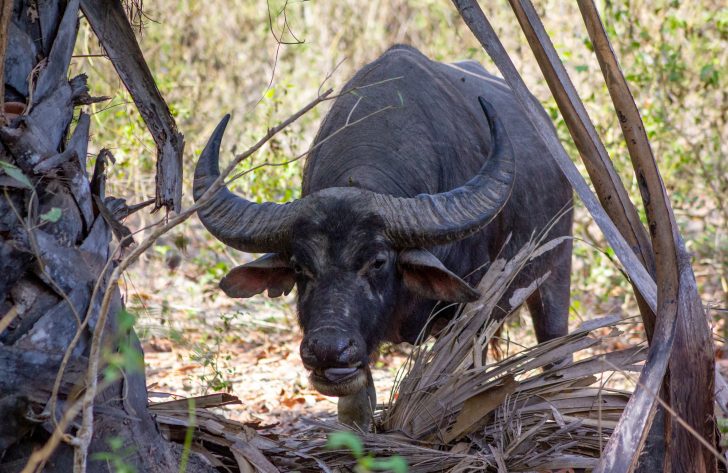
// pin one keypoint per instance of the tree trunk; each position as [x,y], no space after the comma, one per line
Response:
[55,241]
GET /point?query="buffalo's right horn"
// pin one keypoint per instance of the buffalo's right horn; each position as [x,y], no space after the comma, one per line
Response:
[237,222]
[434,219]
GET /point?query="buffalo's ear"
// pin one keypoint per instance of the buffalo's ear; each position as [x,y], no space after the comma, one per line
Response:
[426,276]
[269,272]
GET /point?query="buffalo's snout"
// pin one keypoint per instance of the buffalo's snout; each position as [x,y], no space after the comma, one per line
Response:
[330,347]
[337,360]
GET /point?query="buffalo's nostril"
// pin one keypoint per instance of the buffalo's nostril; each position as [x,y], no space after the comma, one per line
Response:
[349,354]
[327,348]
[307,355]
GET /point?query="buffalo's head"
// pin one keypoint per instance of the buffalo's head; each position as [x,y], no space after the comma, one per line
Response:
[352,254]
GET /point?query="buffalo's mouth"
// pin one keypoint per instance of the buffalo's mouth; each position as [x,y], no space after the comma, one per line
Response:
[341,381]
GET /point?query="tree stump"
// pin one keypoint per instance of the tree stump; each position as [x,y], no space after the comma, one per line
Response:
[55,253]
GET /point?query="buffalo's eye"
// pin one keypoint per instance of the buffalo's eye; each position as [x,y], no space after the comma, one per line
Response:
[298,269]
[379,262]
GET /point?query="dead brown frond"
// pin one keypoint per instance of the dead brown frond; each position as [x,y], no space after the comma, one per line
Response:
[522,410]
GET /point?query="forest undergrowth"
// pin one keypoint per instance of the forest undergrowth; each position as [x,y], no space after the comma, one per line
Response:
[260,60]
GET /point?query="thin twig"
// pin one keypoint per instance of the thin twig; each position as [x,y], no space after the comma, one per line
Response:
[312,148]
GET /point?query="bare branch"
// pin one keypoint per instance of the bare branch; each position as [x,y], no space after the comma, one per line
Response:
[483,31]
[112,27]
[691,361]
[609,188]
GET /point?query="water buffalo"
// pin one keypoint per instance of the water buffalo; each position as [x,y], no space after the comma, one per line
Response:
[400,212]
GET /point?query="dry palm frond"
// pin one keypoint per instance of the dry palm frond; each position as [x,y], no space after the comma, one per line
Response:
[525,420]
[453,411]
[521,411]
[224,443]
[453,366]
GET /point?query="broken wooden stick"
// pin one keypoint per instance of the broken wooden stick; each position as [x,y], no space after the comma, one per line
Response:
[607,184]
[109,22]
[691,380]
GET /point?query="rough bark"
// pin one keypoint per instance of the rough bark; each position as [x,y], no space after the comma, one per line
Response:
[109,22]
[5,11]
[50,263]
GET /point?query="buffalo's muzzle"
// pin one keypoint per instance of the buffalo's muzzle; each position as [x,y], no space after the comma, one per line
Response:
[327,347]
[336,360]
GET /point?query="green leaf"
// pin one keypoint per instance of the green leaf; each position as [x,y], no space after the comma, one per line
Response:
[723,425]
[346,440]
[131,359]
[395,464]
[14,172]
[587,42]
[126,320]
[53,215]
[116,443]
[103,456]
[709,74]
[111,374]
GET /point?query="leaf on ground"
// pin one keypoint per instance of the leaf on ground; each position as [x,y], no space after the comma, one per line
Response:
[293,401]
[479,406]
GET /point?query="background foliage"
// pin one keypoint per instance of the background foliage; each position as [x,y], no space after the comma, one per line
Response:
[218,56]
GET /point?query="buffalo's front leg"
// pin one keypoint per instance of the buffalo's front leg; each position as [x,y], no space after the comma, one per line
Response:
[356,409]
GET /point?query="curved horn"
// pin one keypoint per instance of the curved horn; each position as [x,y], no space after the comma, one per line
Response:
[237,222]
[427,220]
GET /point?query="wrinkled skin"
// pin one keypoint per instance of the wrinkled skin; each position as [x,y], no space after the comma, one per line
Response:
[356,288]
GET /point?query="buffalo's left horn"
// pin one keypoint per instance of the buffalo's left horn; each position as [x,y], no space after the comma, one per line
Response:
[237,222]
[433,219]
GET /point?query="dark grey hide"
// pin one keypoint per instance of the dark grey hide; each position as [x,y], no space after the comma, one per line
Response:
[370,268]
